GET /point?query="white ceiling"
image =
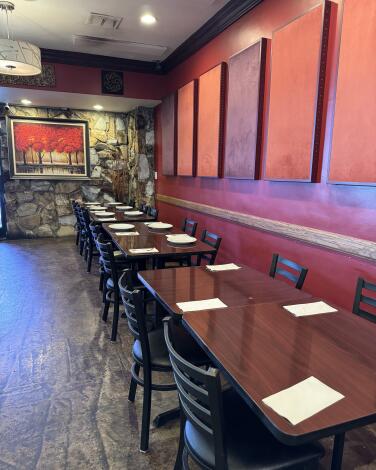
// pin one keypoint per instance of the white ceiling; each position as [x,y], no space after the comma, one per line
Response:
[52,24]
[55,99]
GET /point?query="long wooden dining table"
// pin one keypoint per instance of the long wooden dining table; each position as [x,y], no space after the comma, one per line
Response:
[120,216]
[235,288]
[149,238]
[263,349]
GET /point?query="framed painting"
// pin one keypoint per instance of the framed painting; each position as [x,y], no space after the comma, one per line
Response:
[211,103]
[353,156]
[296,101]
[168,117]
[246,80]
[187,129]
[48,148]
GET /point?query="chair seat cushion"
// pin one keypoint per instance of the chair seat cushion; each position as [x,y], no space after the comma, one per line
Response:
[158,350]
[248,442]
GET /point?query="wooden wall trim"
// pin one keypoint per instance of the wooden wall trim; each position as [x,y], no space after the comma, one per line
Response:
[332,241]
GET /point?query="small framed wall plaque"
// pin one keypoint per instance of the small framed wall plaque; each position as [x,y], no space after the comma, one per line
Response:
[112,82]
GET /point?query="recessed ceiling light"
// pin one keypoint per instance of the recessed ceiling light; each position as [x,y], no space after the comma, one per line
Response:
[26,102]
[98,107]
[148,19]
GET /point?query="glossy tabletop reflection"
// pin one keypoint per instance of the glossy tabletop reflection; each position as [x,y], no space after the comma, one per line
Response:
[148,238]
[264,349]
[235,288]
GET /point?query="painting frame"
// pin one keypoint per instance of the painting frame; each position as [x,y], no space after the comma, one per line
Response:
[84,153]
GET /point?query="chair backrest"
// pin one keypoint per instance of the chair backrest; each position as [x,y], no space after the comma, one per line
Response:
[200,397]
[77,211]
[133,301]
[189,226]
[131,202]
[214,241]
[153,212]
[361,298]
[107,254]
[96,230]
[297,274]
[142,206]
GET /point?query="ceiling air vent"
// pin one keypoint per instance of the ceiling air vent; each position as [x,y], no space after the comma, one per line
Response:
[104,21]
[117,48]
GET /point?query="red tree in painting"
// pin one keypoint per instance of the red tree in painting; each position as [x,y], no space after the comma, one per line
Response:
[44,138]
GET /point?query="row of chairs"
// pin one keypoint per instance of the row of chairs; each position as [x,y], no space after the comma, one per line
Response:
[152,211]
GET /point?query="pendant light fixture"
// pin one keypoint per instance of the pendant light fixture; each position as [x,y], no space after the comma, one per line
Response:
[17,57]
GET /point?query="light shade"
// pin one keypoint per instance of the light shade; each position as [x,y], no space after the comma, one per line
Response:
[19,58]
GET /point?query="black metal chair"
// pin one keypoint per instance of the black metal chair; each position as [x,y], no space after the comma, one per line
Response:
[153,212]
[84,232]
[365,299]
[214,241]
[149,352]
[189,226]
[297,278]
[112,272]
[219,431]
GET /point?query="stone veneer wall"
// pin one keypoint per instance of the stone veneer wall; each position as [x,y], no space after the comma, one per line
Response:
[122,168]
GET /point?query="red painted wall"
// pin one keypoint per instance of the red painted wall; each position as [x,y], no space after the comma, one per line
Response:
[347,210]
[87,80]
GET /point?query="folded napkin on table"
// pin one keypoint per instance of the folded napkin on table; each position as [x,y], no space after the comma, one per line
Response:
[303,400]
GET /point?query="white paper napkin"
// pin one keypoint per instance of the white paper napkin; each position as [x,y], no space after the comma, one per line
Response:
[111,219]
[312,308]
[147,223]
[127,234]
[196,305]
[222,267]
[303,400]
[143,250]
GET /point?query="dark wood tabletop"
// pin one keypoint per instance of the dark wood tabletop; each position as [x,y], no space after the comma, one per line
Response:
[154,239]
[121,217]
[263,349]
[235,288]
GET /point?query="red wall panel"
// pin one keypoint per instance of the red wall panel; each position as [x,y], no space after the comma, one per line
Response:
[168,114]
[246,75]
[295,66]
[210,122]
[353,157]
[186,130]
[349,210]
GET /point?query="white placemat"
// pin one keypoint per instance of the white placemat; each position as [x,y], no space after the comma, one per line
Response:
[312,308]
[196,305]
[303,400]
[222,267]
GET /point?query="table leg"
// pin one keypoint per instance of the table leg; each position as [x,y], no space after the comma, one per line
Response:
[339,442]
[166,416]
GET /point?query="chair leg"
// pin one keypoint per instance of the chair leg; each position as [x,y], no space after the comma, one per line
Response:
[101,281]
[146,408]
[106,305]
[185,459]
[89,257]
[104,290]
[77,237]
[133,385]
[115,320]
[179,456]
[81,245]
[85,250]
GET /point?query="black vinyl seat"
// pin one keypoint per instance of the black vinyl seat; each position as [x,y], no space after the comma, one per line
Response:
[219,431]
[296,275]
[363,299]
[158,350]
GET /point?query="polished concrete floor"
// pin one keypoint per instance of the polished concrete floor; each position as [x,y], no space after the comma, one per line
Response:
[63,384]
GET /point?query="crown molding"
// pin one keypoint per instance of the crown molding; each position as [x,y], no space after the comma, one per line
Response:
[224,18]
[99,61]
